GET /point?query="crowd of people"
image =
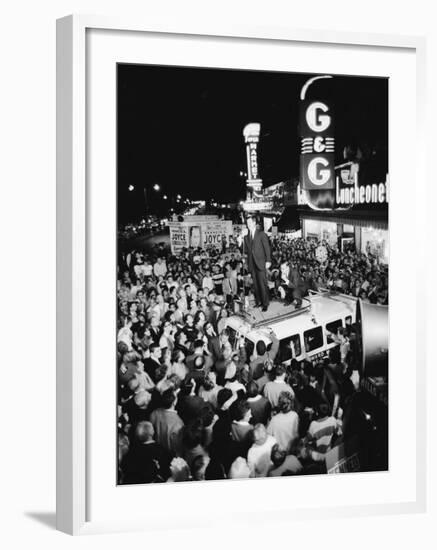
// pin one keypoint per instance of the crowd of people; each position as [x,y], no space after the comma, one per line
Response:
[196,403]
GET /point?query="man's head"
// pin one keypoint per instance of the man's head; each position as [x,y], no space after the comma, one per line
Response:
[187,386]
[278,455]
[259,434]
[251,223]
[241,411]
[181,337]
[133,384]
[227,351]
[209,329]
[323,410]
[280,372]
[144,432]
[199,362]
[168,399]
[198,346]
[239,469]
[285,402]
[252,389]
[155,351]
[260,347]
[224,397]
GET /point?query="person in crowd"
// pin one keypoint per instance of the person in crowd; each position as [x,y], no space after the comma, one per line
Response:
[181,343]
[213,341]
[259,405]
[272,390]
[207,281]
[321,433]
[283,464]
[179,471]
[241,429]
[153,362]
[160,268]
[239,469]
[257,249]
[190,406]
[259,455]
[229,286]
[342,339]
[261,356]
[168,424]
[193,441]
[199,350]
[167,339]
[284,426]
[209,389]
[178,366]
[137,407]
[146,461]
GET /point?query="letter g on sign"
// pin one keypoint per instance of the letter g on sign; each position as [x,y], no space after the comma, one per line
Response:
[316,121]
[317,175]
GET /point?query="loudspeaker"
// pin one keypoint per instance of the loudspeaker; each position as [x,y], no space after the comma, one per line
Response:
[372,332]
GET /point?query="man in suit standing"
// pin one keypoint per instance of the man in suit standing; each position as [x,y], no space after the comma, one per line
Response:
[257,249]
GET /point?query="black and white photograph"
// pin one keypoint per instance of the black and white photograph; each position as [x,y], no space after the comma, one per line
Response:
[252,274]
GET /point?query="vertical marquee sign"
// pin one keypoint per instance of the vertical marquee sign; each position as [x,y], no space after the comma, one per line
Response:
[251,134]
[317,158]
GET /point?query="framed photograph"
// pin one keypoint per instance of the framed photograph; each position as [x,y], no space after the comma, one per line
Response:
[233,209]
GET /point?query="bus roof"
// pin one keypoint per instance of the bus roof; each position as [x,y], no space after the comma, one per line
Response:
[325,308]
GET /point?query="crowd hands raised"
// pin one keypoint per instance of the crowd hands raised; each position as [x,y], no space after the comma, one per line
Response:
[196,403]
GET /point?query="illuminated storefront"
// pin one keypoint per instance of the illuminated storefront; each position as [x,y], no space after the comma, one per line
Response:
[321,230]
[364,230]
[375,241]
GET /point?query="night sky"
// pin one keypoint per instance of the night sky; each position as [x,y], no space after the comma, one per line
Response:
[182,128]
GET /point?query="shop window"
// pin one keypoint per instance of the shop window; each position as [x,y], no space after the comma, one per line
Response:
[285,352]
[332,327]
[313,339]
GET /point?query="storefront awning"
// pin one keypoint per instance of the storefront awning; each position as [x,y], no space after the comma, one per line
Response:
[377,218]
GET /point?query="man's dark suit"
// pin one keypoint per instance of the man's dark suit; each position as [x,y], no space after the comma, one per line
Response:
[258,253]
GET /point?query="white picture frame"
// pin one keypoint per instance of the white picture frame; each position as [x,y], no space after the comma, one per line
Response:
[73,460]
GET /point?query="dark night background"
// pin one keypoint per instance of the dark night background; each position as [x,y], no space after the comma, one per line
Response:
[182,128]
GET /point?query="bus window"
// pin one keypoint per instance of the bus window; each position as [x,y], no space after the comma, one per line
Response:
[285,350]
[332,327]
[313,339]
[232,335]
[249,348]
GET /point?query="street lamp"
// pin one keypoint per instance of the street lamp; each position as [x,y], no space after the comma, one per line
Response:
[131,188]
[165,197]
[156,187]
[178,197]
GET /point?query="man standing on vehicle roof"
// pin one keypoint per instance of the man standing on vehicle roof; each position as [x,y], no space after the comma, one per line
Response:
[256,246]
